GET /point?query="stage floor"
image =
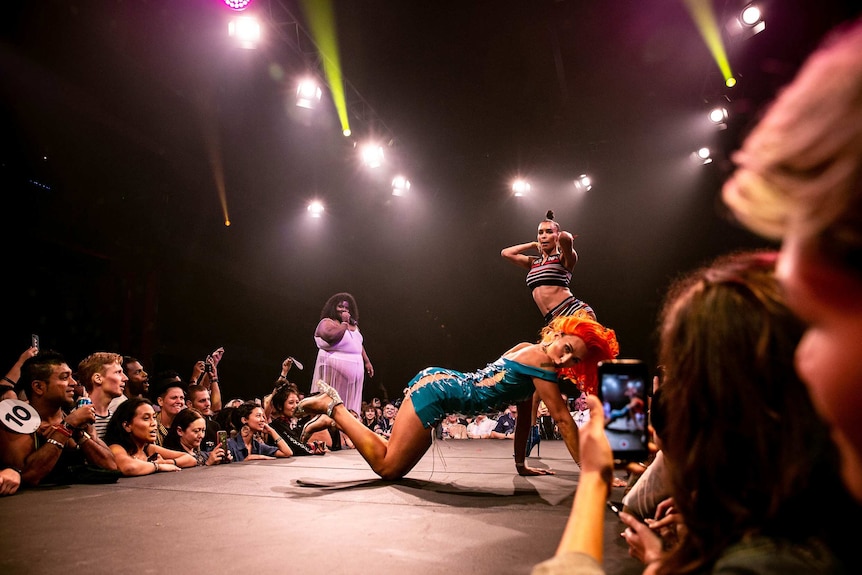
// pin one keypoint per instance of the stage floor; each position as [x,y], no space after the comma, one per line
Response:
[462,510]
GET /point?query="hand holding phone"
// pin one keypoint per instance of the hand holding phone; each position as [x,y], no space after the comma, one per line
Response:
[222,442]
[623,393]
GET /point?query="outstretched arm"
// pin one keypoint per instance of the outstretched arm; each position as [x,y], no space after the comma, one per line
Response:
[584,532]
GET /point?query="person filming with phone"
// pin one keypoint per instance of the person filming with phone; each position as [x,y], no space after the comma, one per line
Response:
[752,470]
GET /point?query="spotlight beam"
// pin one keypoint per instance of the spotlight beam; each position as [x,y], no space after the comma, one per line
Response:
[704,18]
[321,19]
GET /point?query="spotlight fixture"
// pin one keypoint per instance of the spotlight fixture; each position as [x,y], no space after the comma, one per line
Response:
[584,182]
[520,187]
[718,115]
[400,186]
[752,17]
[315,209]
[372,155]
[238,5]
[703,155]
[246,29]
[308,93]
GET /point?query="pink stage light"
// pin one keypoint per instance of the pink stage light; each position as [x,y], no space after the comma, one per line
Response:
[237,5]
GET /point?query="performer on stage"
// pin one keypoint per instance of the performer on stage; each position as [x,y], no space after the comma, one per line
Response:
[571,346]
[550,273]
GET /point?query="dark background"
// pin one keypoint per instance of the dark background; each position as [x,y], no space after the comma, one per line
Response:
[122,120]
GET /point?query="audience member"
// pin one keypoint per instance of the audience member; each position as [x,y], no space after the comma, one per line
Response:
[102,375]
[505,428]
[187,433]
[752,470]
[168,392]
[369,416]
[284,402]
[385,423]
[481,427]
[63,443]
[10,380]
[451,428]
[249,421]
[137,384]
[205,373]
[581,415]
[10,480]
[131,436]
[198,397]
[798,180]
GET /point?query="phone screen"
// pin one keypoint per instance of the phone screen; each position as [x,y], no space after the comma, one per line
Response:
[623,392]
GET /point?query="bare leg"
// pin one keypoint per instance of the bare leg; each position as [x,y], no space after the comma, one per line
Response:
[391,459]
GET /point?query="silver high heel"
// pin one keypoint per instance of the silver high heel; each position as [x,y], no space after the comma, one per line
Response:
[304,407]
[333,395]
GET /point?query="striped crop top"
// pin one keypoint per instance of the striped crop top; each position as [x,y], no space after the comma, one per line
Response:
[550,273]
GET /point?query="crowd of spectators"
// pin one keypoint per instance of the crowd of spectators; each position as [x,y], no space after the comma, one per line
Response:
[141,424]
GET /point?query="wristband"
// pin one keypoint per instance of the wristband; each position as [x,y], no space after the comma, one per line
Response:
[155,467]
[64,429]
[520,464]
[12,383]
[55,442]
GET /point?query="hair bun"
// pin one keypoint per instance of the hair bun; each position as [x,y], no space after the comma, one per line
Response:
[550,214]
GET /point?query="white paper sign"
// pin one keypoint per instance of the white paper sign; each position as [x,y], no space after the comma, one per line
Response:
[19,416]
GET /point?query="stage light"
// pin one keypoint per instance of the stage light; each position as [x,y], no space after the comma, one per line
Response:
[584,182]
[752,17]
[372,155]
[346,132]
[521,187]
[308,93]
[703,155]
[246,29]
[718,115]
[400,186]
[238,5]
[315,209]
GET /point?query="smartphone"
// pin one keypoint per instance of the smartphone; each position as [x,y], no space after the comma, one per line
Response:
[222,440]
[34,341]
[623,385]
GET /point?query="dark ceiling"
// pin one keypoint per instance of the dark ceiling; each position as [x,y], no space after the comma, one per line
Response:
[122,121]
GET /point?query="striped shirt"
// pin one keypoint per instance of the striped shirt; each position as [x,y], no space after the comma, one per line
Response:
[550,273]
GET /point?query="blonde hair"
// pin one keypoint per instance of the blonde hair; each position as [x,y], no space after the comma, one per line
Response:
[800,169]
[93,364]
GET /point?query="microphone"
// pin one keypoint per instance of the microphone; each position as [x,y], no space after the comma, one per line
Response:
[351,321]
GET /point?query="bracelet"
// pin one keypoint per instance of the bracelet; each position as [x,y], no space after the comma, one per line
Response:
[14,383]
[520,464]
[213,380]
[155,467]
[175,462]
[55,442]
[62,429]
